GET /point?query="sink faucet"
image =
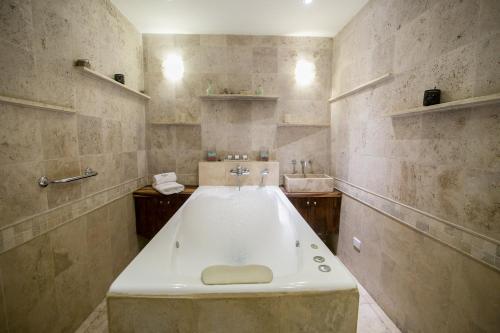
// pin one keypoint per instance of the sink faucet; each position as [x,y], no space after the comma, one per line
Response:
[294,162]
[303,164]
[238,172]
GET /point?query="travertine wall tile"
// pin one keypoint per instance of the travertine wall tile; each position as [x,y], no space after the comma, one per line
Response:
[15,23]
[20,196]
[18,72]
[69,249]
[445,165]
[236,63]
[59,136]
[29,286]
[332,311]
[243,315]
[99,256]
[112,136]
[21,139]
[58,169]
[89,135]
[50,279]
[3,315]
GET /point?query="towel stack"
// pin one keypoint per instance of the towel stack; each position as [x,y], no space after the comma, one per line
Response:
[165,183]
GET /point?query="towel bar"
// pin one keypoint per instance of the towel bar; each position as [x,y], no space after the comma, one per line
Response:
[44,181]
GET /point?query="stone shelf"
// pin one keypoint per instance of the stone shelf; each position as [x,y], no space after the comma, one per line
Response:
[302,125]
[361,87]
[36,105]
[236,97]
[103,77]
[174,123]
[455,105]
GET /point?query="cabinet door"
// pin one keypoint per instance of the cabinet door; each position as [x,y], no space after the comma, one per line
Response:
[302,206]
[166,210]
[178,200]
[142,218]
[321,215]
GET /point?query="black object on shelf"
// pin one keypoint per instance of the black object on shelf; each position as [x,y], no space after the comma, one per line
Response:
[120,78]
[82,63]
[432,96]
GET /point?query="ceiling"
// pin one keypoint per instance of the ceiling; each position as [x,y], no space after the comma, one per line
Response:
[246,17]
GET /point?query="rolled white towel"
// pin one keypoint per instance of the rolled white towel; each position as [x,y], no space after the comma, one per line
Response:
[169,188]
[163,178]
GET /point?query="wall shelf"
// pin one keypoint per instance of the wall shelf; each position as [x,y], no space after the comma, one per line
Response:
[36,105]
[302,125]
[455,105]
[174,123]
[103,77]
[235,97]
[361,87]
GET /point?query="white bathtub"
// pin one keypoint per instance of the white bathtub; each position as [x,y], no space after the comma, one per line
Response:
[219,225]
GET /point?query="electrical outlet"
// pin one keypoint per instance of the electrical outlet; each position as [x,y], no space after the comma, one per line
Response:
[356,243]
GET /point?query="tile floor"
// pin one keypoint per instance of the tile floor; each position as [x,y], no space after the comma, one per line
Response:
[371,318]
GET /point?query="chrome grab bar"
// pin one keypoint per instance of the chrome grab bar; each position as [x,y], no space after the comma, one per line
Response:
[45,181]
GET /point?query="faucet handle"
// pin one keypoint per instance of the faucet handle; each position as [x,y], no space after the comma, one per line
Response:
[294,162]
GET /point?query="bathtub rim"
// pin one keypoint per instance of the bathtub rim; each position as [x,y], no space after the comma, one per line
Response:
[192,291]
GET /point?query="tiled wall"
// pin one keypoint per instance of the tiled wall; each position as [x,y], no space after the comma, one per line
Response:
[237,63]
[61,246]
[421,191]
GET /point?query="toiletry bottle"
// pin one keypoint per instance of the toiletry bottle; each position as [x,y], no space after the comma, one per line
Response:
[210,89]
[259,91]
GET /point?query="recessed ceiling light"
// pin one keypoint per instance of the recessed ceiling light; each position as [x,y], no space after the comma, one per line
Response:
[307,2]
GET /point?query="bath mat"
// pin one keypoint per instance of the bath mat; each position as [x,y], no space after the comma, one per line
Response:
[223,274]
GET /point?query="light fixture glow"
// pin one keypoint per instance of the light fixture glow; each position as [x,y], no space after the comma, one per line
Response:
[305,72]
[307,2]
[173,67]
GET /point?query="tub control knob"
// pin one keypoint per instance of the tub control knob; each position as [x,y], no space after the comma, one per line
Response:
[324,268]
[319,259]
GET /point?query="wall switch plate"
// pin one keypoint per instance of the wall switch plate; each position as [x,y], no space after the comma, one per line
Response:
[356,243]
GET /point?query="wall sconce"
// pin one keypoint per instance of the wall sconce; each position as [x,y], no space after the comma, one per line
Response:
[173,67]
[305,72]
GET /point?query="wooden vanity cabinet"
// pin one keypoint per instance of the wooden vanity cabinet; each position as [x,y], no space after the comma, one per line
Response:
[153,209]
[320,210]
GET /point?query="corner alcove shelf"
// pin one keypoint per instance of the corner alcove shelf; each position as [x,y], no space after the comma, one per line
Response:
[455,105]
[302,125]
[35,105]
[373,82]
[174,123]
[238,97]
[103,77]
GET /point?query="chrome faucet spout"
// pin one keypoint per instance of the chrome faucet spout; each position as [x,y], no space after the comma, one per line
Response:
[303,164]
[238,172]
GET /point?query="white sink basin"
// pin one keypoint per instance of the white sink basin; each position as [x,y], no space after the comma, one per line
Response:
[310,183]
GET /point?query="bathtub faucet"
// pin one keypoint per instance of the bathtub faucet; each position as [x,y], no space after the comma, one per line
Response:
[238,172]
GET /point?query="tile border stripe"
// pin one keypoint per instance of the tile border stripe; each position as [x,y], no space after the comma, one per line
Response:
[29,228]
[468,242]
